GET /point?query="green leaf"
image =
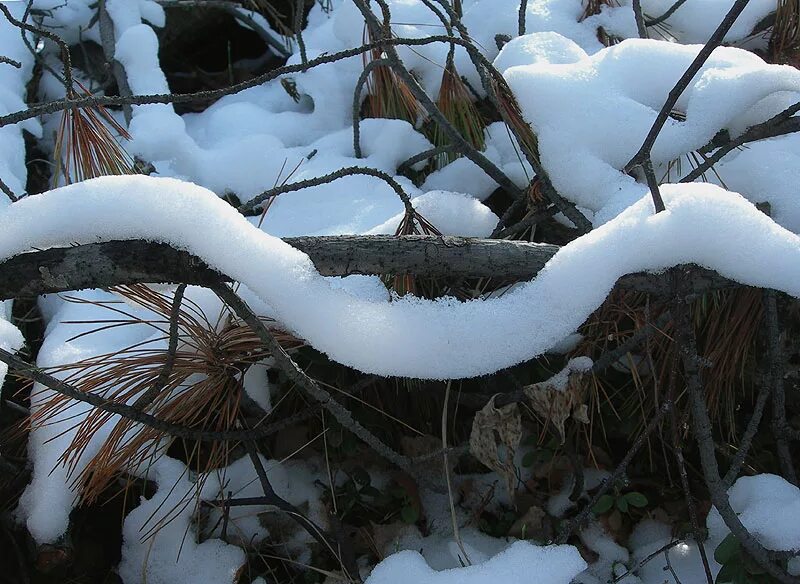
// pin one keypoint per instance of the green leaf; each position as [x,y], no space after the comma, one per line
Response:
[361,476]
[603,505]
[369,491]
[409,514]
[725,575]
[751,565]
[622,504]
[740,576]
[727,549]
[529,459]
[636,499]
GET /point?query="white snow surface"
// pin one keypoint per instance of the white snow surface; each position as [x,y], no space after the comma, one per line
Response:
[515,565]
[703,224]
[626,85]
[768,506]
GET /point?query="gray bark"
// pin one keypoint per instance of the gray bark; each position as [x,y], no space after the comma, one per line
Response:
[101,265]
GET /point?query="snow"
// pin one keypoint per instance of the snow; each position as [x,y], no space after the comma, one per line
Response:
[159,540]
[575,93]
[48,499]
[552,564]
[13,171]
[696,24]
[768,506]
[626,85]
[703,224]
[12,98]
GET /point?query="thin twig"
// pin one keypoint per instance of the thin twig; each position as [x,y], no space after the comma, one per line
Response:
[9,61]
[362,79]
[568,527]
[641,27]
[776,369]
[299,14]
[778,125]
[7,191]
[143,401]
[454,519]
[523,9]
[253,203]
[685,338]
[642,157]
[65,56]
[295,374]
[669,12]
[94,101]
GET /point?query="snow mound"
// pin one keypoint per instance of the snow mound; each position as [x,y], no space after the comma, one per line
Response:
[626,85]
[703,224]
[552,564]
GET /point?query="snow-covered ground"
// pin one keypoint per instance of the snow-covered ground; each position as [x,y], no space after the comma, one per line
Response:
[590,107]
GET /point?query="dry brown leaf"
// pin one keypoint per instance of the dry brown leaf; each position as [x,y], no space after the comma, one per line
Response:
[491,428]
[561,396]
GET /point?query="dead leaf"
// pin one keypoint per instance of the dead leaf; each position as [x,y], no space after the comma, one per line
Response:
[491,428]
[534,524]
[561,396]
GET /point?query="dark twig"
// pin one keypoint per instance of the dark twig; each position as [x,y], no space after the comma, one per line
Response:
[67,63]
[424,155]
[296,375]
[144,400]
[778,125]
[669,12]
[648,558]
[362,79]
[687,346]
[681,462]
[272,498]
[328,178]
[9,61]
[568,527]
[33,373]
[776,368]
[383,34]
[750,431]
[94,101]
[108,43]
[299,15]
[523,9]
[642,157]
[7,191]
[641,27]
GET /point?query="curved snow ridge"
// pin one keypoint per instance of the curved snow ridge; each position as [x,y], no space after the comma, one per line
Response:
[411,337]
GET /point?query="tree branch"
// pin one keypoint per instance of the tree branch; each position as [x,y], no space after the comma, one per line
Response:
[114,263]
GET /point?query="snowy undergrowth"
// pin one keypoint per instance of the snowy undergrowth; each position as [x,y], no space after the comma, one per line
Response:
[251,141]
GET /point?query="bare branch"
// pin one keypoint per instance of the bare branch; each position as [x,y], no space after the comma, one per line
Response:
[642,157]
[103,265]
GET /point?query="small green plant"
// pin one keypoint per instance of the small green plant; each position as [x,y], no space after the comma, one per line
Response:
[623,502]
[409,506]
[738,567]
[540,454]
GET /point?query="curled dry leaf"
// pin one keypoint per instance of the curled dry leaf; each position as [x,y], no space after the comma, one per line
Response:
[491,428]
[562,396]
